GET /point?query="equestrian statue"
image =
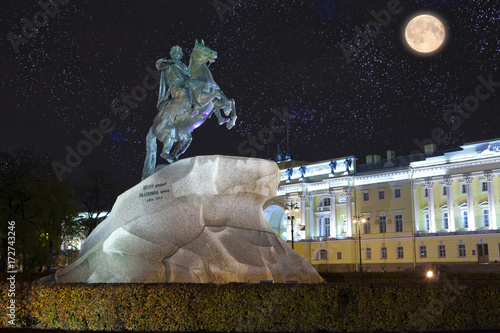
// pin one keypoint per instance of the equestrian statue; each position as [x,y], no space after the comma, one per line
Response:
[188,95]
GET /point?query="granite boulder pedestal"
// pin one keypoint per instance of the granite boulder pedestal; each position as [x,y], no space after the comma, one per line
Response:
[198,220]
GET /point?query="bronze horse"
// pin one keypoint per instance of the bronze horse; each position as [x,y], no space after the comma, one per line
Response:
[178,117]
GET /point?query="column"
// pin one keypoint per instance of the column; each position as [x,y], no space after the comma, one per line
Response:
[415,206]
[311,217]
[308,221]
[307,245]
[470,204]
[347,191]
[432,215]
[333,221]
[288,203]
[491,202]
[302,207]
[450,204]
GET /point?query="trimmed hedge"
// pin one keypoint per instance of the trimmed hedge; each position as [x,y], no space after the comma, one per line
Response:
[257,307]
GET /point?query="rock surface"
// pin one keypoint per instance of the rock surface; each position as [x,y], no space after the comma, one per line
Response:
[197,220]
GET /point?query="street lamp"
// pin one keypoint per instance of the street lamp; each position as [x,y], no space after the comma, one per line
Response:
[358,220]
[288,209]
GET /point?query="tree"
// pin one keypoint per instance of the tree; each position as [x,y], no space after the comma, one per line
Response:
[96,194]
[39,204]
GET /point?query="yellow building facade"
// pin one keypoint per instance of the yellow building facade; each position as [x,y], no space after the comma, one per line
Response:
[420,211]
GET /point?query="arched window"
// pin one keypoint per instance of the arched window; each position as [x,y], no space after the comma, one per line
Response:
[485,213]
[320,254]
[324,204]
[465,215]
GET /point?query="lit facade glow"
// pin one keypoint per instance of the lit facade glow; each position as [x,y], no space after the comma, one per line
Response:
[75,243]
[437,208]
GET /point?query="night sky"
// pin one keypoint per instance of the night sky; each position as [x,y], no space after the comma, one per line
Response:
[272,56]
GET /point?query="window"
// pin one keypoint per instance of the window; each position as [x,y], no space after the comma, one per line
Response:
[426,221]
[368,253]
[339,255]
[461,250]
[397,193]
[422,251]
[367,226]
[445,220]
[382,224]
[366,196]
[398,222]
[323,254]
[426,192]
[383,252]
[400,253]
[324,226]
[465,219]
[484,187]
[324,204]
[441,251]
[464,188]
[444,191]
[381,194]
[486,217]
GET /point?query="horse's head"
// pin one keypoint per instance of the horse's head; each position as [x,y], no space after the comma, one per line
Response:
[203,53]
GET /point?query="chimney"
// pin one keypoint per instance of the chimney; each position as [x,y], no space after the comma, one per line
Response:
[369,159]
[376,158]
[430,148]
[391,154]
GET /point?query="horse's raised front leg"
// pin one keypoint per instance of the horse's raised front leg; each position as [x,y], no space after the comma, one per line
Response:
[220,102]
[220,118]
[229,110]
[232,122]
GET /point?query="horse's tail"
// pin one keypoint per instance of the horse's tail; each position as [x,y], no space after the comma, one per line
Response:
[150,161]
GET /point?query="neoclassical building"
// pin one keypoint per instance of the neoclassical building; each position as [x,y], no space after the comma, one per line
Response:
[437,208]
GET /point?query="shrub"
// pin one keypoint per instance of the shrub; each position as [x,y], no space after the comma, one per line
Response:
[442,305]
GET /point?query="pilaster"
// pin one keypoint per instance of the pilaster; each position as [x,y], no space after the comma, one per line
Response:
[333,221]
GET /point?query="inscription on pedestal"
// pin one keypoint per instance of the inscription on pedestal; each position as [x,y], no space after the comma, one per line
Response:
[153,192]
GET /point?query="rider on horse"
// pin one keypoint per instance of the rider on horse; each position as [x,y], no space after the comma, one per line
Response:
[174,77]
[195,96]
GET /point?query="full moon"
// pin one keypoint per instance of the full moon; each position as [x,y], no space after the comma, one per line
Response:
[425,33]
